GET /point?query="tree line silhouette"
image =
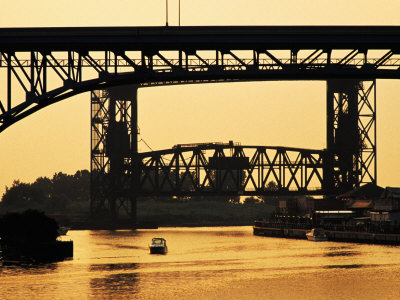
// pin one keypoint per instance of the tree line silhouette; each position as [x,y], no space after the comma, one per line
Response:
[69,195]
[61,193]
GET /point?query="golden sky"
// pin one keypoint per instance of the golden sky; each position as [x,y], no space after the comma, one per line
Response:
[57,138]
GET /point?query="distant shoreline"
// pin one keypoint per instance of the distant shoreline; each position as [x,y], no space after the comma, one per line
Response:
[126,226]
[152,214]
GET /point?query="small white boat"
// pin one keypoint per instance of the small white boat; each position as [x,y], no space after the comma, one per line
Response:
[316,235]
[158,246]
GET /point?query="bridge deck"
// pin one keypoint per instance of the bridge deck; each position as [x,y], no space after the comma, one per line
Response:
[199,37]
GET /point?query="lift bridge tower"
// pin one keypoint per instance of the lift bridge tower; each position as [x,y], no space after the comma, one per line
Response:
[350,158]
[114,148]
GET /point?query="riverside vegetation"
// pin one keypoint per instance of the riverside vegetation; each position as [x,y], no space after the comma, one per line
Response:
[67,197]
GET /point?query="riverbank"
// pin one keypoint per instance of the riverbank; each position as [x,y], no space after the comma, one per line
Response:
[152,214]
[127,224]
[333,235]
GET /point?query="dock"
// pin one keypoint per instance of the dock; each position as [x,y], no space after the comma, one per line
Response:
[333,235]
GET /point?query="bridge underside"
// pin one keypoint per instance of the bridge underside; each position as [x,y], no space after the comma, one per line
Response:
[44,65]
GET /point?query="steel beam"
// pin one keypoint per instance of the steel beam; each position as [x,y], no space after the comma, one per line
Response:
[199,38]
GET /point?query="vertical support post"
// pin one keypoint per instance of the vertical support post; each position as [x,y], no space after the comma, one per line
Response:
[100,165]
[135,163]
[115,63]
[180,59]
[113,159]
[198,168]
[106,62]
[33,66]
[44,66]
[375,137]
[328,158]
[328,56]
[9,105]
[177,169]
[293,56]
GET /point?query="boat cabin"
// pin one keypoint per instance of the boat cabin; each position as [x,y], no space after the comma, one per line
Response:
[158,246]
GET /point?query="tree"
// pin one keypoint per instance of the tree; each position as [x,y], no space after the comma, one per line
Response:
[272,200]
[52,195]
[272,186]
[18,195]
[251,200]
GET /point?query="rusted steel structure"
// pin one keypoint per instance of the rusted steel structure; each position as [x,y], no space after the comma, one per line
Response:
[41,66]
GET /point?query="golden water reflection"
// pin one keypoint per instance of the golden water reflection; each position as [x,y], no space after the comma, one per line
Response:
[208,263]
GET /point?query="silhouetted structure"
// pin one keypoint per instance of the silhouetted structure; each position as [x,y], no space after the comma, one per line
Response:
[94,59]
[31,237]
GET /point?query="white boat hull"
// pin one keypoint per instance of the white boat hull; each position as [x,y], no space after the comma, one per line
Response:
[316,235]
[316,238]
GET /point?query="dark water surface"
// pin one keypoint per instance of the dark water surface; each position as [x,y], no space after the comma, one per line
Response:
[208,263]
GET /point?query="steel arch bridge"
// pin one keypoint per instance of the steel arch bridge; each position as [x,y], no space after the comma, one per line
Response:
[41,66]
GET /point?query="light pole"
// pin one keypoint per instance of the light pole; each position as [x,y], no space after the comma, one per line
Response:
[166,12]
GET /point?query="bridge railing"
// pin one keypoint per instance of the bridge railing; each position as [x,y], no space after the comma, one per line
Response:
[196,63]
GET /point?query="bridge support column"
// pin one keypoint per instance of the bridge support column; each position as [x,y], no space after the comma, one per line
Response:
[350,159]
[114,154]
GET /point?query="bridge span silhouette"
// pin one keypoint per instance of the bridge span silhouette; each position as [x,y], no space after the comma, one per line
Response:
[47,65]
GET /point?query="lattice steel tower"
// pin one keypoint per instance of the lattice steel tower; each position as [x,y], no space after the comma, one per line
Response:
[351,135]
[114,153]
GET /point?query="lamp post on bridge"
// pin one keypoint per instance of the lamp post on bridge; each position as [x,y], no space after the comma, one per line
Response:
[166,12]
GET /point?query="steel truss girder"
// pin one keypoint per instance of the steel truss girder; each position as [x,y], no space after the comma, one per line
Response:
[186,171]
[45,77]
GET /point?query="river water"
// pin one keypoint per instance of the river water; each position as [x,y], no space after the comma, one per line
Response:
[208,263]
